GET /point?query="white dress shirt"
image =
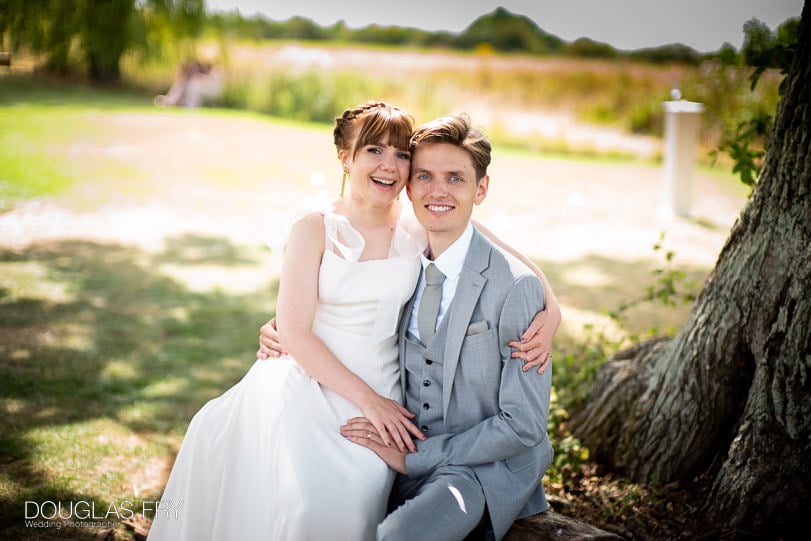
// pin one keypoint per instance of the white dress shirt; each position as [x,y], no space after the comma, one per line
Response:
[450,264]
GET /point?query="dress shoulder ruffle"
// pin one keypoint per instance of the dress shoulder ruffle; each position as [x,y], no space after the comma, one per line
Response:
[409,238]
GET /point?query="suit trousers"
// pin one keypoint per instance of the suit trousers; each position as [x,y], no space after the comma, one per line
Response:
[443,506]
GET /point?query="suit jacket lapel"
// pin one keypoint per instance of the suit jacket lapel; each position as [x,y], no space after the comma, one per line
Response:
[471,283]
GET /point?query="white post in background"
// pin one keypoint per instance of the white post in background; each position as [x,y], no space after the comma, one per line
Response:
[682,123]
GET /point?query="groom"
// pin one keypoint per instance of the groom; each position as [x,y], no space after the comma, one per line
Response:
[487,447]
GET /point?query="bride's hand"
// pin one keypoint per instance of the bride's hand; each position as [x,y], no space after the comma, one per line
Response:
[392,422]
[535,347]
[269,344]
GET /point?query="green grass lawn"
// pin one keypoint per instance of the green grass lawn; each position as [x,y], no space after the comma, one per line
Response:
[41,125]
[104,354]
[104,357]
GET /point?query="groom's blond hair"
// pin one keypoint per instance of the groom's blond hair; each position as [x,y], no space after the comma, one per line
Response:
[455,130]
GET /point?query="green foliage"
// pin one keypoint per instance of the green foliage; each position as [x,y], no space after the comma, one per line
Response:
[587,48]
[310,95]
[675,52]
[762,50]
[506,31]
[575,369]
[257,28]
[671,288]
[646,117]
[105,33]
[722,85]
[727,55]
[569,451]
[234,25]
[93,36]
[627,96]
[574,373]
[502,30]
[747,146]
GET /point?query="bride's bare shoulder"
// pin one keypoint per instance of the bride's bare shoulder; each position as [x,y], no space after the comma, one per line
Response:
[309,229]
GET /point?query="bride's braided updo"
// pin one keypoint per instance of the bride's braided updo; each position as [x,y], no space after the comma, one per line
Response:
[369,124]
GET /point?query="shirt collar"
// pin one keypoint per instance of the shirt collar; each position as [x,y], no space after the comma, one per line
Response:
[450,261]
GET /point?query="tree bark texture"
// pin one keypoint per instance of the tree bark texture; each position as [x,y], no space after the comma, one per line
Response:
[729,397]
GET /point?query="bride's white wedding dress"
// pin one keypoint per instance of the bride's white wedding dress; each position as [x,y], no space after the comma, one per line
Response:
[266,460]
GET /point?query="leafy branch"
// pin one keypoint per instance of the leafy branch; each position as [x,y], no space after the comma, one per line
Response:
[762,50]
[671,287]
[747,147]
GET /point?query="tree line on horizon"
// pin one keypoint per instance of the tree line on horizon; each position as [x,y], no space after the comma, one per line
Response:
[500,30]
[89,36]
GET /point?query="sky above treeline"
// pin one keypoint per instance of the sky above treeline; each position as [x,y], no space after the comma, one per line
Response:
[624,24]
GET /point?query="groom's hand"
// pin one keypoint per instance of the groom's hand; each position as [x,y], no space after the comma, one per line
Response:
[359,430]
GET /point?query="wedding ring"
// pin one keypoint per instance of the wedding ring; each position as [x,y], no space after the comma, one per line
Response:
[368,435]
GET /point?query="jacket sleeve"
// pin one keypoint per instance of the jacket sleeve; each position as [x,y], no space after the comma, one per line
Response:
[523,400]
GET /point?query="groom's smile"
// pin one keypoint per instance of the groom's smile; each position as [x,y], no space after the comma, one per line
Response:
[439,208]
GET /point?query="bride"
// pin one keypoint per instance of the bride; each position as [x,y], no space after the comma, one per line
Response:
[266,460]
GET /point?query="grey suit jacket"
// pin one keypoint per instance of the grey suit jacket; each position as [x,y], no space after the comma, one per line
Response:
[495,415]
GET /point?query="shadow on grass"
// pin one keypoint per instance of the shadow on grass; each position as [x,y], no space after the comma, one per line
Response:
[100,335]
[588,289]
[203,250]
[42,90]
[97,342]
[598,284]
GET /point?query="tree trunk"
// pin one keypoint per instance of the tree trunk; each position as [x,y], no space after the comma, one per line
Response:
[551,525]
[106,36]
[728,398]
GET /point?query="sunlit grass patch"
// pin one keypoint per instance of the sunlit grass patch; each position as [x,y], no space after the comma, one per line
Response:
[33,165]
[727,182]
[45,151]
[43,125]
[30,279]
[104,359]
[94,456]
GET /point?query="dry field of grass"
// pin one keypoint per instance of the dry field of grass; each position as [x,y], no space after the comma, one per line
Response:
[521,97]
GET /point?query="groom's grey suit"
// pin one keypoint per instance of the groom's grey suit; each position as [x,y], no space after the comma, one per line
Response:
[484,417]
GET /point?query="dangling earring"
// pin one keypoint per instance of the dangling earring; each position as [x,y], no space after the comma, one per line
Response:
[343,182]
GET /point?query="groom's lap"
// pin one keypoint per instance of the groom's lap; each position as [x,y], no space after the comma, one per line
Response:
[447,504]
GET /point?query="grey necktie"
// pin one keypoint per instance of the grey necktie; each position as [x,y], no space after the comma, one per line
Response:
[429,303]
